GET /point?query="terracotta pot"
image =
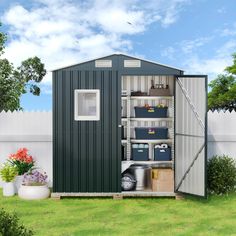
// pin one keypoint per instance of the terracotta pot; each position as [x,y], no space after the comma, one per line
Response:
[33,192]
[8,189]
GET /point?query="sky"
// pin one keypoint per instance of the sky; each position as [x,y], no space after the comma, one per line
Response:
[198,36]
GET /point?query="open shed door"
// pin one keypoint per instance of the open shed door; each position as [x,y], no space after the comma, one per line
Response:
[190,134]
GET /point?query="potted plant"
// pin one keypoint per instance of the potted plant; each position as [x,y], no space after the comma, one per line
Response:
[23,162]
[8,174]
[34,186]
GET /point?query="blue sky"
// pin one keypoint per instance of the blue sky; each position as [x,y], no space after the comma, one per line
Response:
[198,36]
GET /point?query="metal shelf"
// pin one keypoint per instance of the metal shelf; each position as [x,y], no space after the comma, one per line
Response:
[148,97]
[157,164]
[147,162]
[147,119]
[129,123]
[151,141]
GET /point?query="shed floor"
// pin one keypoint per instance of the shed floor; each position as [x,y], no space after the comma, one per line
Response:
[115,195]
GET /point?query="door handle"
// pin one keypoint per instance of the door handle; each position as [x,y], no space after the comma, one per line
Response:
[119,126]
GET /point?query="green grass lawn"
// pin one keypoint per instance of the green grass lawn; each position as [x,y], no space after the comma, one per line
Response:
[136,216]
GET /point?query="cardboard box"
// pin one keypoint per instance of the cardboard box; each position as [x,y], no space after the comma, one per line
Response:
[162,180]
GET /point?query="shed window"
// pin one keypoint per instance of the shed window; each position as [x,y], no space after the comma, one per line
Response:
[103,63]
[132,63]
[87,104]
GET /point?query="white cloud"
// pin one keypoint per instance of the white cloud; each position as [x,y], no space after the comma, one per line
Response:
[63,32]
[167,12]
[221,10]
[213,66]
[188,46]
[229,31]
[168,52]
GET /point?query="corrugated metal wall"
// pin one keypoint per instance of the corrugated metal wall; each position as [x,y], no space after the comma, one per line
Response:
[190,131]
[86,154]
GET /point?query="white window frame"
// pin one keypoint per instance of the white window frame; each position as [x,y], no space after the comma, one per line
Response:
[76,104]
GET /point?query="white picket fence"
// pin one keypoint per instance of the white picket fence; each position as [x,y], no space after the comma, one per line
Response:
[222,133]
[33,130]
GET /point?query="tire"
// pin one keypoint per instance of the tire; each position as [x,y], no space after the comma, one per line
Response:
[128,182]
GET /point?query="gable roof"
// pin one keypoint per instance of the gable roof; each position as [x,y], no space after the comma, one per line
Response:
[125,55]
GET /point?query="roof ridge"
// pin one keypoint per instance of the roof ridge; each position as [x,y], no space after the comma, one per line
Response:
[118,54]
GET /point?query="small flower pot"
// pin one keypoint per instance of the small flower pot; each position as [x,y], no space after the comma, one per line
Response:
[8,189]
[33,192]
[18,182]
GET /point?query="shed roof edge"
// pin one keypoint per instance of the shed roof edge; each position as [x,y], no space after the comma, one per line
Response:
[153,62]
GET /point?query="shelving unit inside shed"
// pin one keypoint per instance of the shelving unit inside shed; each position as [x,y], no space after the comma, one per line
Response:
[130,121]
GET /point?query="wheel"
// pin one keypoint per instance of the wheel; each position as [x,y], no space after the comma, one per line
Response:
[128,182]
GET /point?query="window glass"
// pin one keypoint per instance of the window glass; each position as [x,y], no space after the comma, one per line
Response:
[87,104]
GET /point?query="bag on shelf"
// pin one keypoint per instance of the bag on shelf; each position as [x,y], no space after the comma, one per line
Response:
[159,111]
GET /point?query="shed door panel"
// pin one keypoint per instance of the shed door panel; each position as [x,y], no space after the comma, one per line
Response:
[86,154]
[190,134]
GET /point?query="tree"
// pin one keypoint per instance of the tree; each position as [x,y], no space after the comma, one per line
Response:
[223,90]
[223,93]
[232,69]
[17,81]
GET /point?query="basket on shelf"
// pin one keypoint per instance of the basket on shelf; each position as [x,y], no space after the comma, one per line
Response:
[159,90]
[151,112]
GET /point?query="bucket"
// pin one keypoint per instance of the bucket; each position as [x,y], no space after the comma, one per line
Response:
[143,176]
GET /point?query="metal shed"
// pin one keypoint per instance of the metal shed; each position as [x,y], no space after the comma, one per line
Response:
[93,144]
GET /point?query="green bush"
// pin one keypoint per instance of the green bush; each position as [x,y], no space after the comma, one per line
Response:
[221,176]
[10,226]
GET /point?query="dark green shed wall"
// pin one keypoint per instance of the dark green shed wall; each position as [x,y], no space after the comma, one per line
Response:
[86,154]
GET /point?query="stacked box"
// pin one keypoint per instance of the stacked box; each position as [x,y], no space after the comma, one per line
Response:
[162,180]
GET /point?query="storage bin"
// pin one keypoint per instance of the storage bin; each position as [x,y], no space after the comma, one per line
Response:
[140,153]
[150,112]
[162,154]
[151,132]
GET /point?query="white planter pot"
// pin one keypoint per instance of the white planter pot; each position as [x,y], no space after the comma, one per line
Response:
[33,192]
[8,189]
[18,182]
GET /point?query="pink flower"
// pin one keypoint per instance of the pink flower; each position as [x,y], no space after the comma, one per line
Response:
[22,156]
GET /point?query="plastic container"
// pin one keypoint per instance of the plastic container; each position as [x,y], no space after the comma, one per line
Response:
[150,112]
[162,154]
[140,152]
[151,132]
